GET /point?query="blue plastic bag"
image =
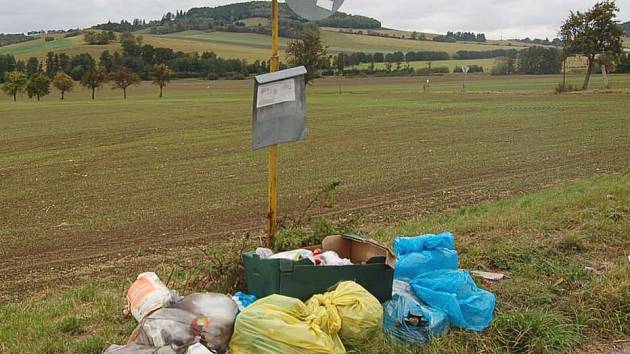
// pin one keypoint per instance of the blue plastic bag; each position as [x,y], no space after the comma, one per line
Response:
[416,255]
[456,293]
[408,320]
[406,245]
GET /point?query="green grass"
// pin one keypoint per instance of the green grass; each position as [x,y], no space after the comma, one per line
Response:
[345,42]
[65,322]
[549,303]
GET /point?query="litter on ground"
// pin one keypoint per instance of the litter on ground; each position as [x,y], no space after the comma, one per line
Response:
[321,299]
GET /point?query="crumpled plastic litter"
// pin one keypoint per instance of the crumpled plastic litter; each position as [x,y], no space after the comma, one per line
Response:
[148,294]
[172,327]
[264,253]
[295,255]
[198,349]
[359,312]
[331,258]
[408,320]
[134,348]
[455,292]
[430,262]
[415,255]
[243,300]
[279,324]
[217,312]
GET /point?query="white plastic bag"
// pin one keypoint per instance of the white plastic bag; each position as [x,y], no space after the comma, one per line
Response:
[331,258]
[219,310]
[294,255]
[146,295]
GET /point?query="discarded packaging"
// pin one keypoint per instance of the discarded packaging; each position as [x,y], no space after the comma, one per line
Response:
[243,300]
[146,295]
[361,314]
[437,282]
[423,254]
[408,320]
[134,348]
[294,255]
[264,253]
[198,349]
[456,293]
[218,310]
[488,275]
[331,258]
[280,324]
[372,267]
[172,327]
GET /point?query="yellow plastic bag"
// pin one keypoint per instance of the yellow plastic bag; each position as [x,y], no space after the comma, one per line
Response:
[283,325]
[359,313]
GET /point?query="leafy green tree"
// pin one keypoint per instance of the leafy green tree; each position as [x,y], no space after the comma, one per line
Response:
[38,85]
[94,78]
[592,33]
[539,60]
[63,82]
[32,66]
[161,75]
[14,83]
[123,78]
[308,51]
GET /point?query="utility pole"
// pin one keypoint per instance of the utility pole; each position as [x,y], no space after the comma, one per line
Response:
[273,149]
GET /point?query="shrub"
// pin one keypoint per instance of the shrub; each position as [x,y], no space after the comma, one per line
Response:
[49,39]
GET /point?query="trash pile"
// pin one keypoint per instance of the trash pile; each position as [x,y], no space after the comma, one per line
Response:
[168,323]
[317,257]
[431,293]
[428,295]
[347,315]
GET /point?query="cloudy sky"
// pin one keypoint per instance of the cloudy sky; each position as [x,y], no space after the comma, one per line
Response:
[510,18]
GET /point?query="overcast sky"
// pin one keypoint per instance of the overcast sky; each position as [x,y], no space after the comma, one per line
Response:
[510,18]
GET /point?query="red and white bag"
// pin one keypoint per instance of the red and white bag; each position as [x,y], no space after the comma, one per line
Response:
[146,295]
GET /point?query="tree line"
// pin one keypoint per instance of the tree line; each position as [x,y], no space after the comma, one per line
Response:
[8,38]
[228,18]
[357,58]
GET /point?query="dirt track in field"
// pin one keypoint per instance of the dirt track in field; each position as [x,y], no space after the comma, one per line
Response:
[70,266]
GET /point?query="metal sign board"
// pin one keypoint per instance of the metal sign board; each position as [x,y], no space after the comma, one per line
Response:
[279,114]
[314,10]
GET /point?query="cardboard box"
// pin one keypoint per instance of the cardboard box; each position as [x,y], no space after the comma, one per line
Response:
[373,268]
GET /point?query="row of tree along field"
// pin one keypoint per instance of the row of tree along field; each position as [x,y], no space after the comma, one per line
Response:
[39,83]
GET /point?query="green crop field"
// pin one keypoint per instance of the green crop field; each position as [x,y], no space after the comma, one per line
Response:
[247,46]
[86,180]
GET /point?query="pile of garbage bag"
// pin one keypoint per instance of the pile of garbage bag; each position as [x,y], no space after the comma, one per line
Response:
[168,323]
[428,265]
[346,316]
[429,294]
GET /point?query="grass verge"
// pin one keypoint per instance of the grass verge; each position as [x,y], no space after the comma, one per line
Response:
[565,251]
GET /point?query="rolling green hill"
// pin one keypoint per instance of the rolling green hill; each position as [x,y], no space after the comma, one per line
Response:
[249,46]
[626,27]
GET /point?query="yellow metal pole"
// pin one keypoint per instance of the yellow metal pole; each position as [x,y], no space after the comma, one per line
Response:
[273,149]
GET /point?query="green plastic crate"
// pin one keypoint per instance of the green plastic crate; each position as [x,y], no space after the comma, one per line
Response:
[301,279]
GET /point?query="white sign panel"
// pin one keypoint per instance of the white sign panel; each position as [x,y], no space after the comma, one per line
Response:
[326,4]
[276,92]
